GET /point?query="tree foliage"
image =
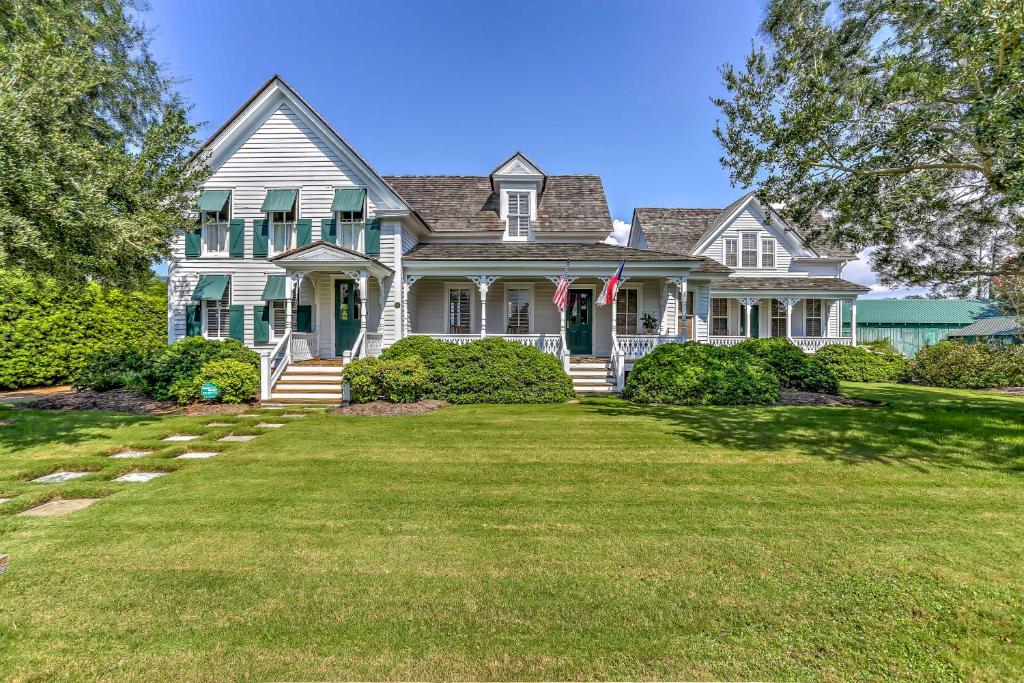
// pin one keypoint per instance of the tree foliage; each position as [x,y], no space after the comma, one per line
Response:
[893,124]
[95,144]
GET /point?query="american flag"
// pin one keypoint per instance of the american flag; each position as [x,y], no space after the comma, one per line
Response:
[611,286]
[561,297]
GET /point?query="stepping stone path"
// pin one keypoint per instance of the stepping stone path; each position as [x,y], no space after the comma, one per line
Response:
[58,507]
[271,425]
[3,500]
[140,476]
[238,437]
[181,437]
[196,455]
[60,476]
[293,414]
[220,424]
[131,454]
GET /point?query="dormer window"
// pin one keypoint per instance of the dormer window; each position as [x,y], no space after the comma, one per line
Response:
[518,215]
[215,218]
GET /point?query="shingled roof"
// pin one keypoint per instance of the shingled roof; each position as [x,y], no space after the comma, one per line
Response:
[541,251]
[569,203]
[828,284]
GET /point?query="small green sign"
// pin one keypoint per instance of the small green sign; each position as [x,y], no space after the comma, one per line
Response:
[209,390]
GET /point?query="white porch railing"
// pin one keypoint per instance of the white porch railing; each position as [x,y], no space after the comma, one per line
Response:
[459,339]
[634,346]
[812,344]
[272,365]
[374,343]
[548,343]
[726,341]
[303,346]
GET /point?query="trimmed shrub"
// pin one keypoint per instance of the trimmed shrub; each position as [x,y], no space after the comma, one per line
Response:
[959,365]
[399,380]
[182,361]
[700,374]
[114,368]
[491,370]
[238,381]
[794,368]
[49,330]
[862,364]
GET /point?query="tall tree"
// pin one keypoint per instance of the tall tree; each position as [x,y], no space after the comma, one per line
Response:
[899,122]
[94,142]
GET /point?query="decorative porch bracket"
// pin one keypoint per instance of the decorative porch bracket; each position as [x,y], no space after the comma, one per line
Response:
[748,303]
[407,282]
[789,303]
[483,283]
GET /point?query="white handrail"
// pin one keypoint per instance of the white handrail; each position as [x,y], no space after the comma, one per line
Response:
[273,364]
[357,349]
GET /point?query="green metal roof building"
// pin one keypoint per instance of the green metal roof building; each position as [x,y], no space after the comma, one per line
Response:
[912,324]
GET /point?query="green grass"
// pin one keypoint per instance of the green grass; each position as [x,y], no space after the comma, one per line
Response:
[593,540]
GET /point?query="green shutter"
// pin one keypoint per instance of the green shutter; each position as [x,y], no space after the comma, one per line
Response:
[193,242]
[236,323]
[303,232]
[261,324]
[372,237]
[260,231]
[193,321]
[329,230]
[237,238]
[304,318]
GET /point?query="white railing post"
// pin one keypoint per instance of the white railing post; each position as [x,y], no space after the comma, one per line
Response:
[853,320]
[264,378]
[363,311]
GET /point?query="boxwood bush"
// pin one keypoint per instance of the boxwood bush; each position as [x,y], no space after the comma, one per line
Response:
[700,374]
[794,368]
[182,361]
[959,365]
[878,363]
[491,370]
[236,380]
[400,380]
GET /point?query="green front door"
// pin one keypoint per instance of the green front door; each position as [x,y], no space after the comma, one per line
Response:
[346,315]
[579,321]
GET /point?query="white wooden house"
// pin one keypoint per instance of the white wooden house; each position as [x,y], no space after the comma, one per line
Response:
[306,254]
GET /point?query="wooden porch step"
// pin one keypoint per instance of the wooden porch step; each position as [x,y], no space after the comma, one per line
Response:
[307,386]
[300,396]
[294,369]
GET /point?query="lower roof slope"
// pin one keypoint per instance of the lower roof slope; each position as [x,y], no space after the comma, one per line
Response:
[920,311]
[548,251]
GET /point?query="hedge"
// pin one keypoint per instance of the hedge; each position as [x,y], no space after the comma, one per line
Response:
[794,368]
[877,363]
[700,374]
[959,365]
[48,330]
[237,382]
[400,380]
[183,360]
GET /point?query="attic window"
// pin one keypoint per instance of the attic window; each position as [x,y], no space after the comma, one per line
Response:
[519,214]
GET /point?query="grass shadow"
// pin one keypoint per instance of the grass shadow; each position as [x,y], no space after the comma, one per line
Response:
[35,428]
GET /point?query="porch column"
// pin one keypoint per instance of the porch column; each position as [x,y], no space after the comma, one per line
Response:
[853,320]
[680,284]
[748,306]
[291,291]
[483,283]
[789,303]
[562,319]
[363,310]
[407,283]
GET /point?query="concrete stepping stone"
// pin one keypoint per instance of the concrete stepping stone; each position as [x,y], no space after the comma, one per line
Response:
[220,424]
[58,507]
[271,425]
[131,454]
[140,476]
[3,500]
[293,414]
[196,455]
[238,437]
[180,437]
[60,476]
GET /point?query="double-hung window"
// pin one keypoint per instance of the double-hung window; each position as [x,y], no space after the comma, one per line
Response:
[518,311]
[748,255]
[627,313]
[215,229]
[217,315]
[719,317]
[730,252]
[768,252]
[778,318]
[812,317]
[519,214]
[459,306]
[282,229]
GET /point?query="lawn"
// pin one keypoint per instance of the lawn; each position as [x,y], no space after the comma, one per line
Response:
[593,540]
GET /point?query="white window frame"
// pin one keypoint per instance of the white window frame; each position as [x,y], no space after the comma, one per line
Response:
[356,226]
[744,236]
[528,287]
[506,215]
[765,241]
[712,317]
[639,307]
[223,317]
[735,252]
[271,251]
[448,287]
[820,318]
[224,222]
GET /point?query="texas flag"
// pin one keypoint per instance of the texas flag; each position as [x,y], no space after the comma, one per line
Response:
[611,286]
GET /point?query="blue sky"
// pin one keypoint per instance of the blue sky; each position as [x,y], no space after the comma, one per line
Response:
[620,89]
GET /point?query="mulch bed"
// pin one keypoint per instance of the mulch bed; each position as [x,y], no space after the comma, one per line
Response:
[383,408]
[1013,391]
[126,401]
[808,398]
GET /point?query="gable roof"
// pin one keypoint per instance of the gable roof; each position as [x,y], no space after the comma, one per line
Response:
[919,311]
[683,229]
[569,203]
[522,156]
[344,254]
[996,326]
